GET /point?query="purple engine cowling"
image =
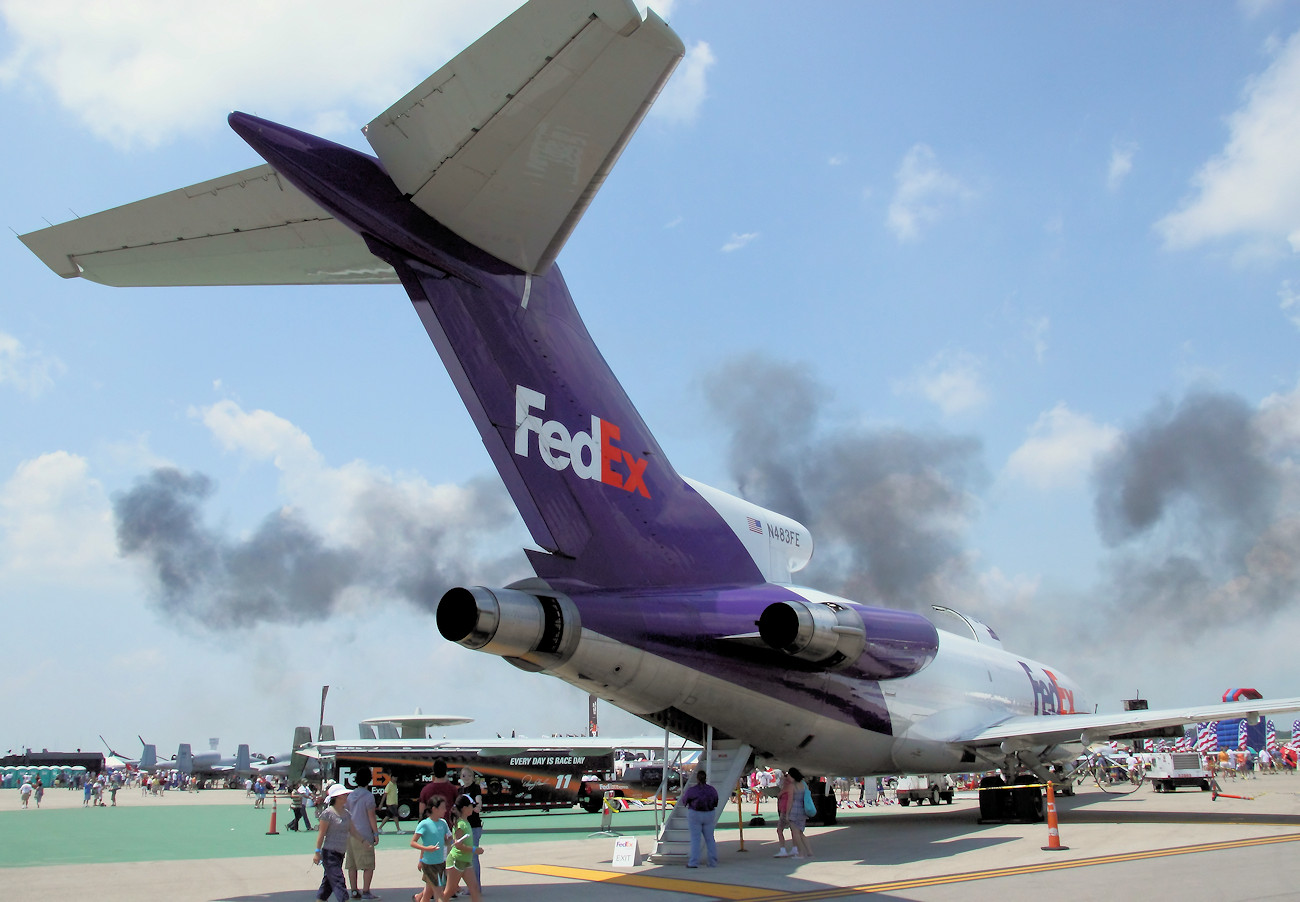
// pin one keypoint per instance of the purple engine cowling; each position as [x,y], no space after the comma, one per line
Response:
[711,629]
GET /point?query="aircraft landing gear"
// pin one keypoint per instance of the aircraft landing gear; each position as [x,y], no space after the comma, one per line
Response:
[1002,804]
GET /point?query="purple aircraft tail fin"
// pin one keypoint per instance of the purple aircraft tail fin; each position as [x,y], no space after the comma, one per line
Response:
[592,484]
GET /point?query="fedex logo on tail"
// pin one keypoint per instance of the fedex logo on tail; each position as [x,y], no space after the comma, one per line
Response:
[591,455]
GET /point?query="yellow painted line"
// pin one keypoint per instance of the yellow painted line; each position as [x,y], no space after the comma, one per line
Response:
[642,881]
[757,894]
[895,885]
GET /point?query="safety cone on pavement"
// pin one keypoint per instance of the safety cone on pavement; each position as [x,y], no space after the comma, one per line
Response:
[273,831]
[1053,834]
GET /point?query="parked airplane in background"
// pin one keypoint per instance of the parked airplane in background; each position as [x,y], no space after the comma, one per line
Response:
[212,763]
[294,764]
[671,599]
[408,726]
[148,760]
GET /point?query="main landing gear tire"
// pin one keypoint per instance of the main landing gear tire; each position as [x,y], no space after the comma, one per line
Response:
[1028,801]
[992,799]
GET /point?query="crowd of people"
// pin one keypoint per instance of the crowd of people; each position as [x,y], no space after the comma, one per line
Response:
[446,837]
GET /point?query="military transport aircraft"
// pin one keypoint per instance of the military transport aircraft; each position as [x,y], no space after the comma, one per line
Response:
[671,599]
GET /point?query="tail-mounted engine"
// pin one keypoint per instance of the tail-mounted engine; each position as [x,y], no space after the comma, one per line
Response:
[535,631]
[879,643]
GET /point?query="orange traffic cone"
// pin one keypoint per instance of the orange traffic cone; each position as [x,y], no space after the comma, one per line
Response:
[1053,834]
[273,831]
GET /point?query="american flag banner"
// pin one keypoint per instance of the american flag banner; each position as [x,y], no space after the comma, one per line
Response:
[1241,734]
[754,525]
[1295,731]
[1270,738]
[1183,744]
[1207,737]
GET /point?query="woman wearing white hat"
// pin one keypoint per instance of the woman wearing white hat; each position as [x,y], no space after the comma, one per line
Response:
[332,843]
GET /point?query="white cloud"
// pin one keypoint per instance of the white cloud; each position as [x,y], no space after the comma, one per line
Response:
[738,241]
[142,72]
[686,91]
[329,497]
[1290,304]
[55,522]
[952,380]
[1060,449]
[30,372]
[924,194]
[1121,164]
[1251,189]
[1036,331]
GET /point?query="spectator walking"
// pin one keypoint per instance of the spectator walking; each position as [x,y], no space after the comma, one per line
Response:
[800,808]
[783,817]
[365,835]
[332,843]
[432,837]
[390,805]
[460,858]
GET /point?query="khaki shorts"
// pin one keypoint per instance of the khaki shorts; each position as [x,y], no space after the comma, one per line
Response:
[361,854]
[434,874]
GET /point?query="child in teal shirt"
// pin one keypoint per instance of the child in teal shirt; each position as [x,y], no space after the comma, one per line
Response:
[432,837]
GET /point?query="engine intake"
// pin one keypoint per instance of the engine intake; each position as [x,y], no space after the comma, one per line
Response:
[538,629]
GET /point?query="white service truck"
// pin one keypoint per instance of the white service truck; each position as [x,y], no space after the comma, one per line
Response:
[1169,770]
[924,788]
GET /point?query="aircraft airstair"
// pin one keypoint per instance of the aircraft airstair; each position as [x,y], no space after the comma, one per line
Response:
[725,761]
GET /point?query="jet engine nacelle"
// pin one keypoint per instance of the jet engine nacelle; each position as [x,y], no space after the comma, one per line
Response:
[534,631]
[835,634]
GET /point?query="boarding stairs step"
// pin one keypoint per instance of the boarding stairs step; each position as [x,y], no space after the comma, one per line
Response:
[725,767]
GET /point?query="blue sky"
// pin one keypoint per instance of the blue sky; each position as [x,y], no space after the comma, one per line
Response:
[1002,299]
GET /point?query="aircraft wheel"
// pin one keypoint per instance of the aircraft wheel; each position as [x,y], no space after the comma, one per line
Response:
[991,800]
[1028,802]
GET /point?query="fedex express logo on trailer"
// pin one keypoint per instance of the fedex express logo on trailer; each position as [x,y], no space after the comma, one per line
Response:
[592,455]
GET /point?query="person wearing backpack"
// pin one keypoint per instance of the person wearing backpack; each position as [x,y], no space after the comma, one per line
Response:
[801,805]
[701,801]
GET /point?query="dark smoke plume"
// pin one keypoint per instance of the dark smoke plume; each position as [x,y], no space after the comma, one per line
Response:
[1198,505]
[1194,501]
[286,572]
[887,507]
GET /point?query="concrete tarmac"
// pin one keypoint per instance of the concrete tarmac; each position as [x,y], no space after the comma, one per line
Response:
[1179,845]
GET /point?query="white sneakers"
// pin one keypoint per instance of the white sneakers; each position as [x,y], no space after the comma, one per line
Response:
[781,854]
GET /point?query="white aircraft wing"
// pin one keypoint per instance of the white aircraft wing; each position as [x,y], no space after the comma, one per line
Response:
[510,745]
[507,144]
[247,228]
[1037,730]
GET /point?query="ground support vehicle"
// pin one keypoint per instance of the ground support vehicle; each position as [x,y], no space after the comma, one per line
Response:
[1169,770]
[924,788]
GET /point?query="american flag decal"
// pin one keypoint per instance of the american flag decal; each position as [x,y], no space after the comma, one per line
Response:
[754,525]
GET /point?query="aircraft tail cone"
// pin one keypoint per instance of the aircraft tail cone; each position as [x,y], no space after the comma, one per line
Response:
[1053,833]
[273,831]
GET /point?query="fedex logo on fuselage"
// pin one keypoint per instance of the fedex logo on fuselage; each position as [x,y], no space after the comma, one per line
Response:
[1049,696]
[591,455]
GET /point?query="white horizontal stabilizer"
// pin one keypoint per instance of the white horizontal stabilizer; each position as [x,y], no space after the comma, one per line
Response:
[507,144]
[248,228]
